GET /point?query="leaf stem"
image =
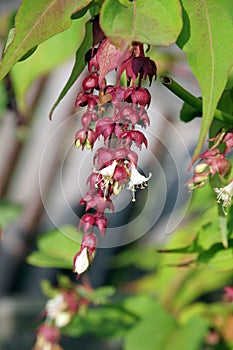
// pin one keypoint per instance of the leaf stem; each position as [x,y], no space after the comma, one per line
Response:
[192,100]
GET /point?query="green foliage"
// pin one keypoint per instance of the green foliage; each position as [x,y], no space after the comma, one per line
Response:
[188,113]
[48,55]
[78,65]
[44,19]
[141,20]
[209,52]
[55,249]
[158,330]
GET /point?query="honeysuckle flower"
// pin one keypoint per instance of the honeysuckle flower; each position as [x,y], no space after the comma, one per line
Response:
[86,99]
[145,67]
[117,93]
[57,311]
[137,179]
[85,138]
[105,127]
[138,95]
[219,165]
[200,168]
[228,293]
[108,171]
[97,201]
[54,305]
[131,114]
[224,195]
[228,139]
[83,259]
[102,223]
[136,136]
[106,178]
[197,181]
[90,82]
[209,153]
[87,222]
[47,338]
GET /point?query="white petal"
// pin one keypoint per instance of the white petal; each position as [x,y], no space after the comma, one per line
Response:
[109,170]
[136,178]
[62,319]
[82,262]
[54,305]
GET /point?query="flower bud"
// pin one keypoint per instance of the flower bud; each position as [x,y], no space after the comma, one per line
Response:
[90,82]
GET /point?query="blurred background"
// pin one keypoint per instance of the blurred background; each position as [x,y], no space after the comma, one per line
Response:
[42,174]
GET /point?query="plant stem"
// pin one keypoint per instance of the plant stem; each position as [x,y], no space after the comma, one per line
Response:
[192,100]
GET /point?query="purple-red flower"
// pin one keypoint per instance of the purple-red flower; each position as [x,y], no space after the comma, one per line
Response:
[102,223]
[86,99]
[87,222]
[138,95]
[90,82]
[136,136]
[85,138]
[47,337]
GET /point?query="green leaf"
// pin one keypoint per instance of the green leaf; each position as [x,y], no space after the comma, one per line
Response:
[209,52]
[42,260]
[101,295]
[189,336]
[47,56]
[226,101]
[35,22]
[79,64]
[153,331]
[8,213]
[134,257]
[147,21]
[48,290]
[217,257]
[108,321]
[55,249]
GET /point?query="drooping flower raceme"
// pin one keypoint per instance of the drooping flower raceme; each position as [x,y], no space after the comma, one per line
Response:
[116,114]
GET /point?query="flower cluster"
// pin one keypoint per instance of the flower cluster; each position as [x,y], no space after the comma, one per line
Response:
[114,113]
[59,312]
[214,162]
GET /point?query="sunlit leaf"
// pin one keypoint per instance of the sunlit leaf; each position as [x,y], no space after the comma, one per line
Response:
[47,57]
[55,249]
[35,22]
[217,257]
[147,21]
[153,331]
[79,64]
[209,50]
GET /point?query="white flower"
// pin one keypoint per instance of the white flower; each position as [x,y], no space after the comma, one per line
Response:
[137,179]
[55,305]
[82,262]
[56,311]
[108,171]
[62,319]
[106,176]
[225,194]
